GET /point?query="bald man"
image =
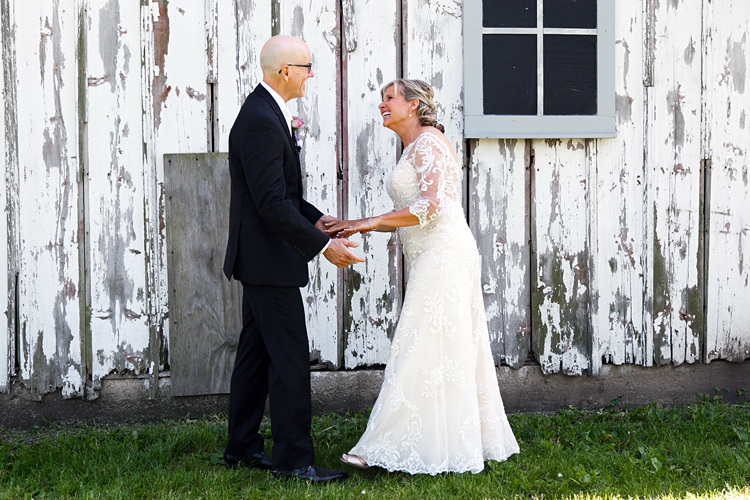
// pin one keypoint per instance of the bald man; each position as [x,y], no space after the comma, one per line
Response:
[273,233]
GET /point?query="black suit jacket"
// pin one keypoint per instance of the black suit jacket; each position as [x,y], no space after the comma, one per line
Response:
[271,228]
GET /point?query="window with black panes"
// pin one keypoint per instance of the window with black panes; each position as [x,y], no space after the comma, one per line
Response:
[539,57]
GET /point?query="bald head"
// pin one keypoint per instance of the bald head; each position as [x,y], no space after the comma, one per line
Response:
[286,64]
[281,50]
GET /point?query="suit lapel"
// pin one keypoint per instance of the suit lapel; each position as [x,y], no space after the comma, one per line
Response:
[293,141]
[275,106]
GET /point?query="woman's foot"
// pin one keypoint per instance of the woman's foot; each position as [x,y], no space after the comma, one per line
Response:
[354,461]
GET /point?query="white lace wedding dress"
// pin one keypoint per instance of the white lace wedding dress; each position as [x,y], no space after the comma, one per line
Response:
[439,409]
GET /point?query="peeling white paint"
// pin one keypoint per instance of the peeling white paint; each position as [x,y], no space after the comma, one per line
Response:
[617,242]
[674,161]
[560,226]
[6,306]
[242,31]
[72,385]
[47,149]
[372,290]
[728,291]
[499,218]
[116,197]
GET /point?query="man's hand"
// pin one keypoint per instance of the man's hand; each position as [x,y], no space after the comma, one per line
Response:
[325,221]
[339,255]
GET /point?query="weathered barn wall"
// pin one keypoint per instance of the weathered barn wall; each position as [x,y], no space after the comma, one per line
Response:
[625,262]
[629,250]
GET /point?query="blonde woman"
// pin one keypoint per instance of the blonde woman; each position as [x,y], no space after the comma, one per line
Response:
[439,409]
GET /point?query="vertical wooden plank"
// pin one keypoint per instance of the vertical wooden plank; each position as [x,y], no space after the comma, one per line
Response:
[372,289]
[673,144]
[119,313]
[176,114]
[726,132]
[499,218]
[154,89]
[47,113]
[244,26]
[211,15]
[318,24]
[11,178]
[205,308]
[7,307]
[617,244]
[433,44]
[648,191]
[84,276]
[154,37]
[154,33]
[592,272]
[559,294]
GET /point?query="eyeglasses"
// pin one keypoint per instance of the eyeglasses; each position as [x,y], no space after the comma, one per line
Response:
[308,66]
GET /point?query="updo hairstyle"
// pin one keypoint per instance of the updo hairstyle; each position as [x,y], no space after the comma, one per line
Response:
[422,91]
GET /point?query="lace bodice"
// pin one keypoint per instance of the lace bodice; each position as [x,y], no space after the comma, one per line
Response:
[425,179]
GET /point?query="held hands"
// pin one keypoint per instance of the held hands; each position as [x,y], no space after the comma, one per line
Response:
[346,228]
[325,219]
[338,252]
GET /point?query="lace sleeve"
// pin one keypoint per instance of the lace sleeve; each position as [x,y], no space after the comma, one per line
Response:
[436,181]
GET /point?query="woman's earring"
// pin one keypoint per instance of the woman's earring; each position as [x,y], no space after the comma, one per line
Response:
[409,113]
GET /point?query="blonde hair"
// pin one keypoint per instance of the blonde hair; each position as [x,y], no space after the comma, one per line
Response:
[422,91]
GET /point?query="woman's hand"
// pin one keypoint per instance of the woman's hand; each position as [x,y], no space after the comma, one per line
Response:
[346,228]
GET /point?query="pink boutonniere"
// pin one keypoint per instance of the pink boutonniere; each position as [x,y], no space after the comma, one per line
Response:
[298,126]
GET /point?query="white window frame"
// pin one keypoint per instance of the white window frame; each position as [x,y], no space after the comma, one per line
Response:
[478,125]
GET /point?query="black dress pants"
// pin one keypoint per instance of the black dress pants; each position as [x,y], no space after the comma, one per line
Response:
[272,359]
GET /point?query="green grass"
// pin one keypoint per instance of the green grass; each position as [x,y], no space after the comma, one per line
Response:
[698,451]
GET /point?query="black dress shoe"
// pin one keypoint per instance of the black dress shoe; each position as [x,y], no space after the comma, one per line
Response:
[259,460]
[313,473]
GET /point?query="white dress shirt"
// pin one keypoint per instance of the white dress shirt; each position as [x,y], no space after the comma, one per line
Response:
[282,105]
[288,116]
